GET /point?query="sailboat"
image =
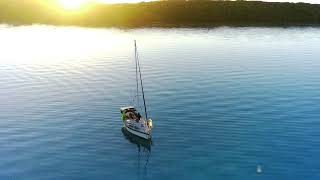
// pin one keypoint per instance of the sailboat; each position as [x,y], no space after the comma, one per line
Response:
[132,120]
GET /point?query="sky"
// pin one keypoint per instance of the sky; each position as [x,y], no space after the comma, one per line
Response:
[307,1]
[76,4]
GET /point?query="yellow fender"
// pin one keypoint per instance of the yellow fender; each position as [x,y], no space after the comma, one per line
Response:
[150,123]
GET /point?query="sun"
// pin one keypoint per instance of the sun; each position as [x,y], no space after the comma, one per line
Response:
[72,4]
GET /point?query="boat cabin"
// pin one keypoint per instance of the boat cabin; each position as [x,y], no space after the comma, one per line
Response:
[130,113]
[127,109]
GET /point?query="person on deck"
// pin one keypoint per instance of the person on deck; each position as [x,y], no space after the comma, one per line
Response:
[138,117]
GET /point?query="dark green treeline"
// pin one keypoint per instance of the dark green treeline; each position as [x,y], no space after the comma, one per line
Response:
[174,13]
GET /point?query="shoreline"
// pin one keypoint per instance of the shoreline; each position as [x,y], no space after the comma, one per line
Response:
[171,26]
[167,14]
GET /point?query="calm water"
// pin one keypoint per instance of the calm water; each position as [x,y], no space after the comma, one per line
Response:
[223,101]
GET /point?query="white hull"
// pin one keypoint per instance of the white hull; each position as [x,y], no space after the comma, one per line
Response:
[138,133]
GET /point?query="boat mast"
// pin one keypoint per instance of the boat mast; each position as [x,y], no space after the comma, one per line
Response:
[136,58]
[138,63]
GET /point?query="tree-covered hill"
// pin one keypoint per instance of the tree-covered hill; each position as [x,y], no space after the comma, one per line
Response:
[173,13]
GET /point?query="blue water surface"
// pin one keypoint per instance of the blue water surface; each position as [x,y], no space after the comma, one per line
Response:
[226,103]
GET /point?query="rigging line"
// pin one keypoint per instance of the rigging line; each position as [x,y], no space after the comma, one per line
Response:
[131,97]
[136,59]
[144,100]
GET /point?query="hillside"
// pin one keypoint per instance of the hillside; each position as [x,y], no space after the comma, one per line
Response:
[163,14]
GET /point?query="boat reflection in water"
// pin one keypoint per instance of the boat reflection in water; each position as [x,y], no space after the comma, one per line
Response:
[144,151]
[141,143]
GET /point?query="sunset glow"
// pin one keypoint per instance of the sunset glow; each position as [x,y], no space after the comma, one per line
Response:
[72,4]
[77,4]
